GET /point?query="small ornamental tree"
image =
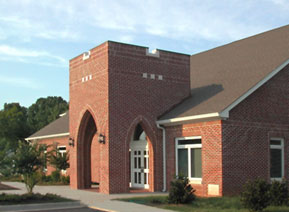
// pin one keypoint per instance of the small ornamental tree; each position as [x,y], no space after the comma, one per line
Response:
[57,160]
[27,161]
[181,191]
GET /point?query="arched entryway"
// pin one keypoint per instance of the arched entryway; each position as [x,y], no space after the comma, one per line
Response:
[139,159]
[87,132]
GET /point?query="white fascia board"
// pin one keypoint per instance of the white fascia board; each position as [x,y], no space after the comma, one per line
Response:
[47,136]
[188,118]
[225,112]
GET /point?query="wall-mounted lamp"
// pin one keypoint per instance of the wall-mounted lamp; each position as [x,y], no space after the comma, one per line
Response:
[101,138]
[71,142]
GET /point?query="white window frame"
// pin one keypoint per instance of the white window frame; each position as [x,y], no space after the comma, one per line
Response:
[45,155]
[189,147]
[282,157]
[62,152]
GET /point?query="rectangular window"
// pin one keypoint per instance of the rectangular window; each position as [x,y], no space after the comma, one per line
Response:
[189,157]
[276,159]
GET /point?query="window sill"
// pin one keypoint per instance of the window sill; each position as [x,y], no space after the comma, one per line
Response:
[276,179]
[196,181]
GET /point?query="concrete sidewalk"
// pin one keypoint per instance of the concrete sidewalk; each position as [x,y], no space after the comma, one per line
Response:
[91,199]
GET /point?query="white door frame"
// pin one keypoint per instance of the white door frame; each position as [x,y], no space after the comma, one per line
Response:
[139,164]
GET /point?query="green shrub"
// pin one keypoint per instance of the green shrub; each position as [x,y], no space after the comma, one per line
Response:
[46,178]
[55,175]
[279,193]
[65,179]
[256,195]
[28,198]
[11,178]
[181,191]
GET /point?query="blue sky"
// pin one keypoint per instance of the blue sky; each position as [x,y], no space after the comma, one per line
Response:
[37,38]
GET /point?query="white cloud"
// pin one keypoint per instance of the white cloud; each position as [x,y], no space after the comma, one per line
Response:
[19,82]
[186,20]
[126,38]
[9,53]
[280,2]
[27,28]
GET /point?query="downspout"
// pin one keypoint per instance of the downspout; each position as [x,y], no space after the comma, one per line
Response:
[164,158]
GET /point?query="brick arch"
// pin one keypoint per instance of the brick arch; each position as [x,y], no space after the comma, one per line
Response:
[151,139]
[86,132]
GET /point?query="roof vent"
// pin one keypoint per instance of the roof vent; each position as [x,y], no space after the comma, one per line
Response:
[153,53]
[86,55]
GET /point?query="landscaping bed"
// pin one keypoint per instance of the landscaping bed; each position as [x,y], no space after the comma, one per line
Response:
[212,204]
[12,199]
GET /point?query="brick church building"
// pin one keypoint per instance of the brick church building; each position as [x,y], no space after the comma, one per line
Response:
[138,118]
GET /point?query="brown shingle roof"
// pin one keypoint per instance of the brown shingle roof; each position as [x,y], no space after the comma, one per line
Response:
[222,75]
[59,126]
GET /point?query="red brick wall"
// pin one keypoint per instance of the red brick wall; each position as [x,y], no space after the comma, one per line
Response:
[95,159]
[119,98]
[246,134]
[211,133]
[60,141]
[92,96]
[134,99]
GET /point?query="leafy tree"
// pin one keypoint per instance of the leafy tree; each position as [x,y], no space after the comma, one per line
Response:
[57,160]
[44,111]
[27,161]
[5,159]
[13,124]
[13,128]
[17,123]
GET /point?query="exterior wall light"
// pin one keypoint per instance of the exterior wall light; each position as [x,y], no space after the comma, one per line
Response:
[101,138]
[71,142]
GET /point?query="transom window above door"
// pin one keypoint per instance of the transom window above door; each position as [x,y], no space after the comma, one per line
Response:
[189,157]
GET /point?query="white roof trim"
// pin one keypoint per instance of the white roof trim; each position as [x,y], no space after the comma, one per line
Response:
[188,118]
[47,136]
[225,112]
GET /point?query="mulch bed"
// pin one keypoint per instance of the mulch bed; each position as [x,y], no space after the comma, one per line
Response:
[6,187]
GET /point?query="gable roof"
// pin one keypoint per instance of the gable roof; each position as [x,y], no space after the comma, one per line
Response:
[224,76]
[57,128]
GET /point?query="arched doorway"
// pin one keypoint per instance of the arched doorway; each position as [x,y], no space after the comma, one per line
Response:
[139,159]
[87,132]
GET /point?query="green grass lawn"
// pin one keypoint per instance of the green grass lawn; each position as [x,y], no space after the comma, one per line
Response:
[213,204]
[12,199]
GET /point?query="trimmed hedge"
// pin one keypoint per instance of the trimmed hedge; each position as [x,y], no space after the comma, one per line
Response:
[8,199]
[259,194]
